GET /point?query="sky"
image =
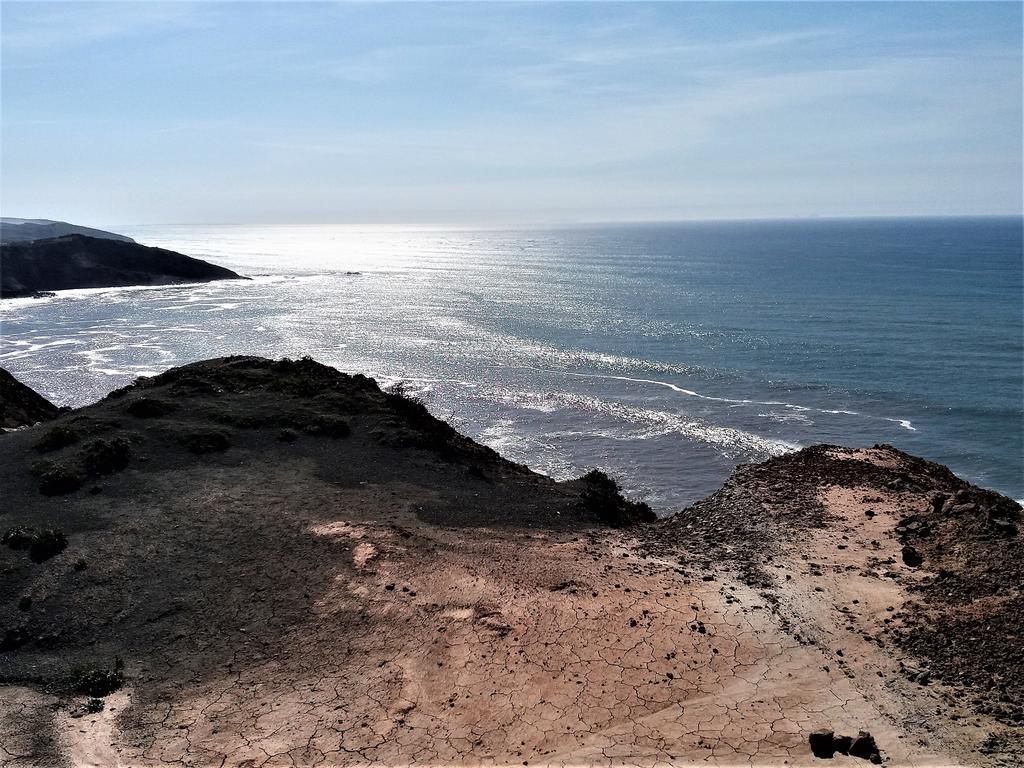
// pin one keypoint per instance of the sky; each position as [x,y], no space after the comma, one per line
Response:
[490,113]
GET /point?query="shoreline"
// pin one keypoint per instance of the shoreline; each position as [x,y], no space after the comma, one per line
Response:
[661,302]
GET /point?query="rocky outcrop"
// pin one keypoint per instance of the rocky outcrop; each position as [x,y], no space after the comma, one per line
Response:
[77,261]
[21,405]
[941,560]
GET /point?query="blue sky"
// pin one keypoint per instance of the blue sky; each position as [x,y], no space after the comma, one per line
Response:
[520,113]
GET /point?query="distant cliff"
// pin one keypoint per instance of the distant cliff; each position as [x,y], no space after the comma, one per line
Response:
[25,230]
[76,261]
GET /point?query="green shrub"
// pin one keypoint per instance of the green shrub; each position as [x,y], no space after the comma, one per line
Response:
[96,682]
[104,457]
[603,499]
[57,437]
[57,479]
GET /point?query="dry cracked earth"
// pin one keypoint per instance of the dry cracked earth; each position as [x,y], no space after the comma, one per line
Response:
[339,579]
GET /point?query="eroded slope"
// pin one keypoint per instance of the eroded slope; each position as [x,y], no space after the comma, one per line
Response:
[285,566]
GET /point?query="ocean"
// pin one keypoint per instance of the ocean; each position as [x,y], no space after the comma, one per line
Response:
[664,354]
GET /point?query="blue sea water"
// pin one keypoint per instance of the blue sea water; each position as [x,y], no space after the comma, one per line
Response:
[663,353]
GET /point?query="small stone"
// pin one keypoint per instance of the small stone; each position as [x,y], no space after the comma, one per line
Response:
[822,744]
[912,557]
[865,748]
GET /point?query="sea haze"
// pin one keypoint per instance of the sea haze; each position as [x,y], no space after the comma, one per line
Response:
[665,354]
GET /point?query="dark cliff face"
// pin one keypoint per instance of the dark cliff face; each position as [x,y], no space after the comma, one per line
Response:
[76,261]
[20,405]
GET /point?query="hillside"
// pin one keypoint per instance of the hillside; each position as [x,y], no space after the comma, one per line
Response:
[76,261]
[25,230]
[248,562]
[21,405]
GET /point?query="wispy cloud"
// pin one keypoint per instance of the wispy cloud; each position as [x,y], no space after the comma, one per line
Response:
[41,26]
[512,107]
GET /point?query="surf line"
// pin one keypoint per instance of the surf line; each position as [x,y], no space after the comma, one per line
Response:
[905,423]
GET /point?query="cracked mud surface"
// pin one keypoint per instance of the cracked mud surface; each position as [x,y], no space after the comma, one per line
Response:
[397,595]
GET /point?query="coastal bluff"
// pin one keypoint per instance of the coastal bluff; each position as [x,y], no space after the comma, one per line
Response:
[78,261]
[252,562]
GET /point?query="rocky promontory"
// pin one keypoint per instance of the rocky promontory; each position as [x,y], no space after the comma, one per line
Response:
[78,261]
[254,562]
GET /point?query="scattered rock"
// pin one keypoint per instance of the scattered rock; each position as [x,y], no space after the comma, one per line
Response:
[825,744]
[47,544]
[865,748]
[843,744]
[41,545]
[912,557]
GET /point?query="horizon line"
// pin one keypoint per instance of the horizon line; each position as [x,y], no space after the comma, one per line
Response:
[526,224]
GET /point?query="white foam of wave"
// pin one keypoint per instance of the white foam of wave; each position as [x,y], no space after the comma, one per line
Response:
[905,423]
[108,293]
[527,401]
[512,443]
[511,346]
[503,437]
[662,423]
[786,417]
[195,305]
[650,422]
[29,348]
